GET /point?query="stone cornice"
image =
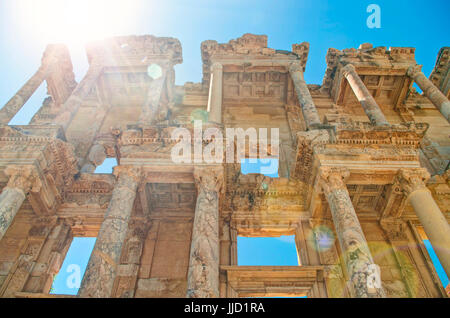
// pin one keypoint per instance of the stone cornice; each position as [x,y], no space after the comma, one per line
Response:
[138,50]
[249,47]
[366,56]
[440,74]
[407,134]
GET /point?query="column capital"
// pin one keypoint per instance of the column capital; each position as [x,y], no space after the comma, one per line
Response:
[414,70]
[209,178]
[25,178]
[348,69]
[295,66]
[134,172]
[333,178]
[216,66]
[411,180]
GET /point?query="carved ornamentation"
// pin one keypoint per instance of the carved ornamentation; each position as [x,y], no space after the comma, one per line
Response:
[208,179]
[395,230]
[413,179]
[307,142]
[354,247]
[24,178]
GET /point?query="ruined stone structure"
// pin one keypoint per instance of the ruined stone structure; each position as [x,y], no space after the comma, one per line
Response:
[362,156]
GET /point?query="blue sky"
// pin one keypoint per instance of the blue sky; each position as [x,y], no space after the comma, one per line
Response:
[68,279]
[267,251]
[27,26]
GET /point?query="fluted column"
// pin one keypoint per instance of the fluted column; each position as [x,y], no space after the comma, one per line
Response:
[203,274]
[75,100]
[434,223]
[215,94]
[21,181]
[103,264]
[432,92]
[309,110]
[356,254]
[367,101]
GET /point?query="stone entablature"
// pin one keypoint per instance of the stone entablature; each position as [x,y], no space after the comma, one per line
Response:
[440,76]
[249,50]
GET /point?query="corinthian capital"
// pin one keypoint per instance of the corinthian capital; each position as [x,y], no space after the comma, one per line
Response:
[24,178]
[216,66]
[349,68]
[208,178]
[414,70]
[295,67]
[333,178]
[130,171]
[412,180]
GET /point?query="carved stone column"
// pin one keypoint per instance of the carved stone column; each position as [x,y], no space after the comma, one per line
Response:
[27,90]
[432,92]
[21,181]
[102,268]
[367,101]
[215,94]
[309,110]
[203,274]
[434,223]
[356,253]
[73,103]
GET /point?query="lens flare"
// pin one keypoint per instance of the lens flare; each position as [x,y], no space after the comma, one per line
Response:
[323,236]
[199,114]
[154,71]
[75,22]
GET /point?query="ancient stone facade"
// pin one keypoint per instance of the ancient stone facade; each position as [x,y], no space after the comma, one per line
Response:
[362,157]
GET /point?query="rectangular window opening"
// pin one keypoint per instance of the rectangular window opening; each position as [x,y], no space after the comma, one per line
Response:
[267,251]
[107,166]
[434,259]
[267,166]
[31,107]
[68,279]
[437,265]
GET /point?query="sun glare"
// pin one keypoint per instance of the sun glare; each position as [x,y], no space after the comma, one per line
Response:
[76,22]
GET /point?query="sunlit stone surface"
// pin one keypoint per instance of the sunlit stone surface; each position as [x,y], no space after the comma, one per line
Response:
[362,174]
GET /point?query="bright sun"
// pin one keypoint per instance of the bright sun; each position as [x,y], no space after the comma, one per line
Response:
[76,22]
